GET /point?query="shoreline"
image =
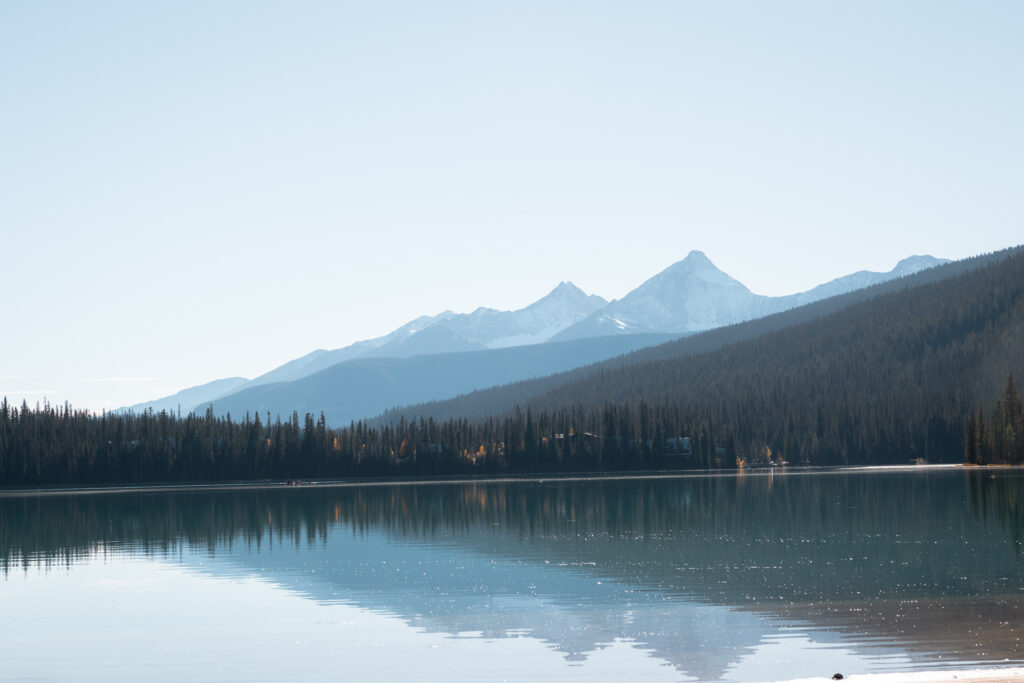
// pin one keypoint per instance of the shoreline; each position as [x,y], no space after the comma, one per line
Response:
[470,479]
[1013,674]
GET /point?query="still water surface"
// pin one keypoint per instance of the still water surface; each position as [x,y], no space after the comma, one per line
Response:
[743,577]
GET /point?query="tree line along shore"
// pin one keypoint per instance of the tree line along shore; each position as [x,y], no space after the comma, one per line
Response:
[61,446]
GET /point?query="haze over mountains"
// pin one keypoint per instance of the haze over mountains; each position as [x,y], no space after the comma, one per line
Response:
[363,387]
[447,332]
[689,296]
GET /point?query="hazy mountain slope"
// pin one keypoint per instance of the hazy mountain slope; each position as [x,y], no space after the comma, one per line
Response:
[364,387]
[693,295]
[435,339]
[187,398]
[565,305]
[322,358]
[501,399]
[488,328]
[915,333]
[860,280]
[888,380]
[449,332]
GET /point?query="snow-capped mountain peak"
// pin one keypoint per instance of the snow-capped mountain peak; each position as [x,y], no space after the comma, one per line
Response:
[916,263]
[566,298]
[697,266]
[563,306]
[690,295]
[697,258]
[693,295]
[448,331]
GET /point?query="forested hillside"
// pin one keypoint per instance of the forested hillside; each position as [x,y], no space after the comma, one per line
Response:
[999,439]
[563,389]
[886,380]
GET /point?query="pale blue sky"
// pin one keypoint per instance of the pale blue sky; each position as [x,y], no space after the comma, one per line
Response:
[193,190]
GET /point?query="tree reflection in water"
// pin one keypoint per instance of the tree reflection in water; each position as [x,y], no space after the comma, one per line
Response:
[928,559]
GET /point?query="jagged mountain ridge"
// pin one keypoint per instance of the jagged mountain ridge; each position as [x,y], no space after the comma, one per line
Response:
[694,295]
[689,296]
[484,328]
[497,400]
[446,332]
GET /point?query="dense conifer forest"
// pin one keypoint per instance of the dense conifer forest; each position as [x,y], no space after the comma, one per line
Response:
[888,380]
[497,400]
[999,439]
[747,511]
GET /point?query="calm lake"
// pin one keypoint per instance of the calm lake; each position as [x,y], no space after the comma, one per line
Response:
[739,577]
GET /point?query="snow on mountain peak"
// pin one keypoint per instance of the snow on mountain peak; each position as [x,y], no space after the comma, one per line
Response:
[697,257]
[567,291]
[688,296]
[695,262]
[487,327]
[917,263]
[563,306]
[567,287]
[695,267]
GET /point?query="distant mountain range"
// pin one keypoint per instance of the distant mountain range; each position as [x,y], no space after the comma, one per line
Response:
[574,387]
[693,295]
[887,374]
[689,296]
[448,332]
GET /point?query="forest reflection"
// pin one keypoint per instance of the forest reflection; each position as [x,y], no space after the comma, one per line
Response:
[694,569]
[807,536]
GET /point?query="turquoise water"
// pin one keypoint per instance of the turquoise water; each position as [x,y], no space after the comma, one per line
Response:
[736,578]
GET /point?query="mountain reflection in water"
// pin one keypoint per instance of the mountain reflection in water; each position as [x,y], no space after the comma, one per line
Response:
[699,571]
